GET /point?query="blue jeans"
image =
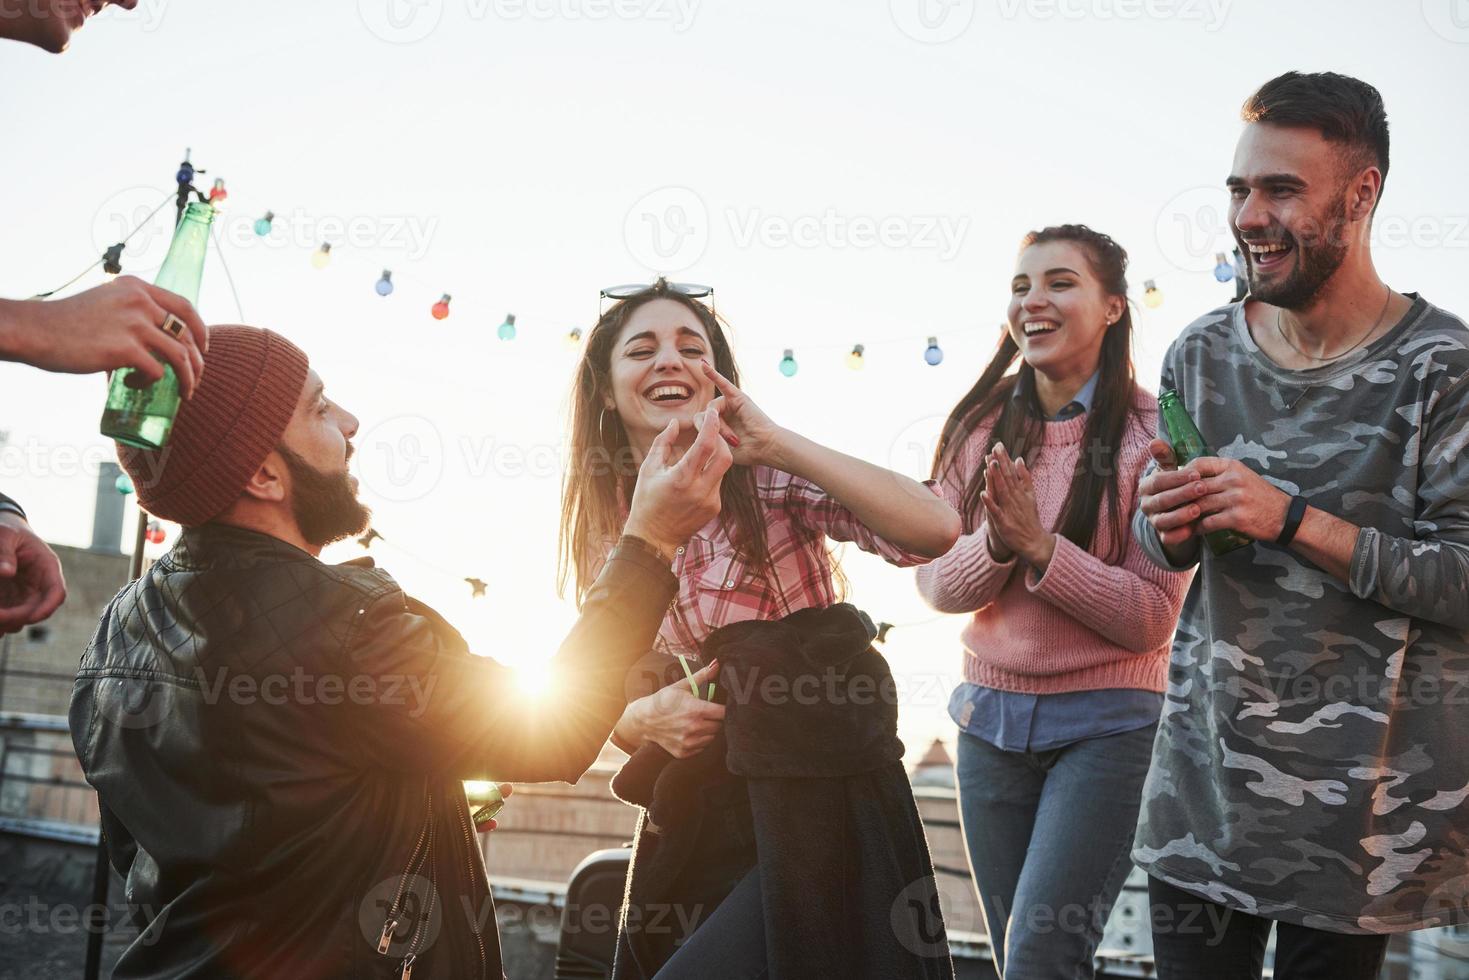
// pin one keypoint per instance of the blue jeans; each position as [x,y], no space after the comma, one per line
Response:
[1049,837]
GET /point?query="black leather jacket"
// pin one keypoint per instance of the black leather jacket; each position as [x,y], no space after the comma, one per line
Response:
[277,746]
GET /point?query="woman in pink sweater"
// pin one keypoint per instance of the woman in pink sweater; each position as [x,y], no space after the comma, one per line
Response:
[1066,655]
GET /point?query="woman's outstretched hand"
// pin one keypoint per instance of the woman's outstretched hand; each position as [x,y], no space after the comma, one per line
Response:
[757,440]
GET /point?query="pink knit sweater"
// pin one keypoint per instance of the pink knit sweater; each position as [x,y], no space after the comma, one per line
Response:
[1084,625]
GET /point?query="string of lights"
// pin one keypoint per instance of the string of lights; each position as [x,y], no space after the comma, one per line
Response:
[1224,271]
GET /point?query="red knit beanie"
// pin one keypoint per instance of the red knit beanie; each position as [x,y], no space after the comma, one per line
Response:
[252,381]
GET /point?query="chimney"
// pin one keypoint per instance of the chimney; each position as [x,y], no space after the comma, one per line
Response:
[107,517]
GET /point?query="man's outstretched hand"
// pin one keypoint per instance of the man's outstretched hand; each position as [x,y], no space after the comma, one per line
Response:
[31,585]
[115,325]
[676,497]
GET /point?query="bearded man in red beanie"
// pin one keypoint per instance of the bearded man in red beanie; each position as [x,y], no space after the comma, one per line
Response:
[278,744]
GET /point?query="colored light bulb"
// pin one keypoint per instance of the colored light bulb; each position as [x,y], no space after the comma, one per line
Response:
[1151,295]
[385,284]
[262,224]
[573,339]
[217,193]
[1223,270]
[322,256]
[788,364]
[441,308]
[854,359]
[933,355]
[507,329]
[154,534]
[123,484]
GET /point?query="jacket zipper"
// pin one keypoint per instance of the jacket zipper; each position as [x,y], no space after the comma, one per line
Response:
[428,911]
[391,926]
[469,862]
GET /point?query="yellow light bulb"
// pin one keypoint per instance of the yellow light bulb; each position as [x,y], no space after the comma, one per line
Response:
[322,256]
[1152,296]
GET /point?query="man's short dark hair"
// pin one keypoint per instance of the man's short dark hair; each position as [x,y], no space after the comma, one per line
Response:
[1342,109]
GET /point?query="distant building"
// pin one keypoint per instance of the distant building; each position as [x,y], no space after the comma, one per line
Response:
[936,768]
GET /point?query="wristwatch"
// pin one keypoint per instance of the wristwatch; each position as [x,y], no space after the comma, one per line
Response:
[10,506]
[1293,515]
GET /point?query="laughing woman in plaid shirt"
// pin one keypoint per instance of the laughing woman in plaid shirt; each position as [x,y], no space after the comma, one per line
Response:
[658,355]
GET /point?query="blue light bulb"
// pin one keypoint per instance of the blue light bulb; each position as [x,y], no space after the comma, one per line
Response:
[385,284]
[262,225]
[507,329]
[788,364]
[933,355]
[1223,270]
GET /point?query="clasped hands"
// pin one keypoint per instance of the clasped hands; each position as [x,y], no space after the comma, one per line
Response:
[1013,519]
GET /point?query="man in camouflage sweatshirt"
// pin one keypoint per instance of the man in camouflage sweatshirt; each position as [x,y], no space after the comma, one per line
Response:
[1312,762]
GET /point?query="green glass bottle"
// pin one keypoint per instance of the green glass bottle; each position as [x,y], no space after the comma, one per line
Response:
[487,811]
[143,417]
[1189,445]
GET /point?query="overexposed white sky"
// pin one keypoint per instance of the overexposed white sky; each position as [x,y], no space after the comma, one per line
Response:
[842,173]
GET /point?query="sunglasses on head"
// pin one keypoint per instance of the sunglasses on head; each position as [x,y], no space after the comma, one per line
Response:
[628,291]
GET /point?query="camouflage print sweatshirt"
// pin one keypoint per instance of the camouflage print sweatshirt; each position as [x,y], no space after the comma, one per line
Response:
[1312,761]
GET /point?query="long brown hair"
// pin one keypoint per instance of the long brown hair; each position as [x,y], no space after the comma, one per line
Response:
[1019,425]
[602,460]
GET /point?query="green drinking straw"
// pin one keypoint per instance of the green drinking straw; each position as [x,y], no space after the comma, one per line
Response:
[690,675]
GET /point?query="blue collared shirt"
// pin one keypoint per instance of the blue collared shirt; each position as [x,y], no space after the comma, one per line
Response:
[1078,405]
[1044,722]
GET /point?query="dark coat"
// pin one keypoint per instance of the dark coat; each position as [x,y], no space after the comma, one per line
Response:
[278,747]
[805,782]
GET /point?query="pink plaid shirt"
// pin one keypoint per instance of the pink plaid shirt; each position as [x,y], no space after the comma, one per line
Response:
[715,586]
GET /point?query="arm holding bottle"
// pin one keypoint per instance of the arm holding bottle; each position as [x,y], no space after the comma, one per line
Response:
[115,325]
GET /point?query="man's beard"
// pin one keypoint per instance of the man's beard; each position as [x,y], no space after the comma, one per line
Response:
[325,506]
[1316,263]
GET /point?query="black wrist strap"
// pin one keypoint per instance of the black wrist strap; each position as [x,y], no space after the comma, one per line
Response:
[1293,515]
[11,507]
